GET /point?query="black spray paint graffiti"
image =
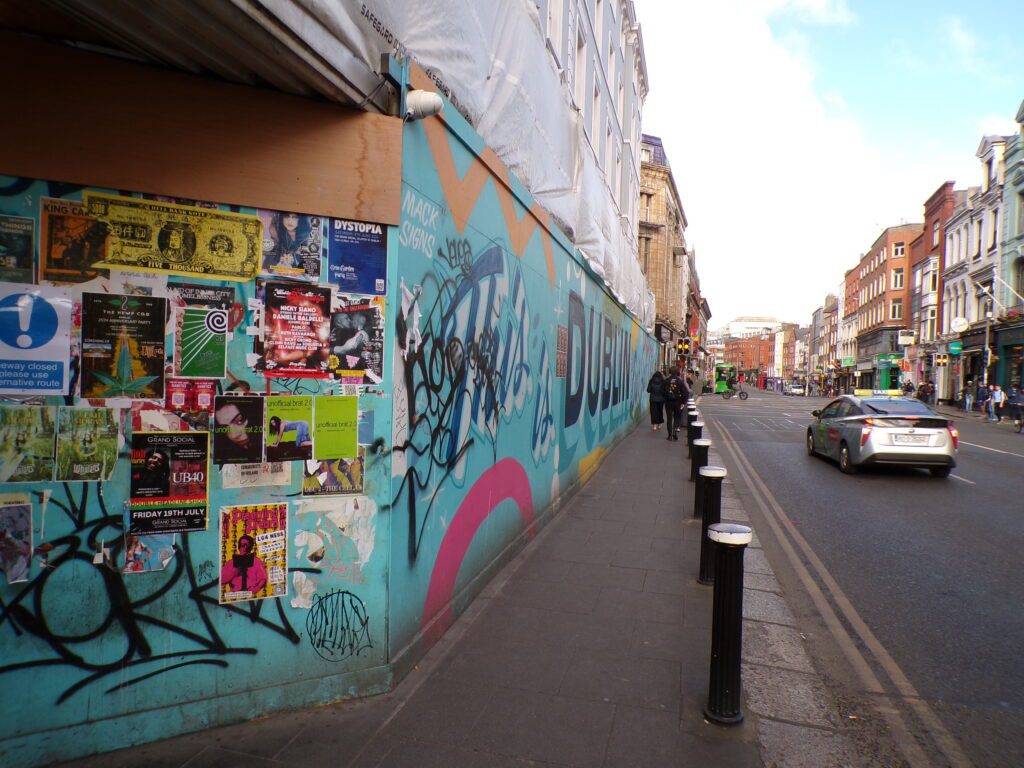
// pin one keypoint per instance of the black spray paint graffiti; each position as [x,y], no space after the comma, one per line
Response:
[470,372]
[338,626]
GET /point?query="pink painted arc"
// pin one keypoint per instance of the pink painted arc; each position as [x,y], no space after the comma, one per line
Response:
[505,480]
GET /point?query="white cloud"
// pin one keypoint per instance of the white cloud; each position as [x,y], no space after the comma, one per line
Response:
[816,11]
[961,42]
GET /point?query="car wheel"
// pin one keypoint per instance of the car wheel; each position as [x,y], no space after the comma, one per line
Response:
[810,443]
[940,471]
[845,465]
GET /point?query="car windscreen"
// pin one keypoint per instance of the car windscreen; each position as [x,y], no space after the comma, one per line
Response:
[903,406]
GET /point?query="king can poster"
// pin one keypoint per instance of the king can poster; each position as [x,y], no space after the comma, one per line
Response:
[35,339]
[72,242]
[154,236]
[17,251]
[297,329]
[253,552]
[289,437]
[15,541]
[86,443]
[123,345]
[169,474]
[357,256]
[238,429]
[26,444]
[200,343]
[292,244]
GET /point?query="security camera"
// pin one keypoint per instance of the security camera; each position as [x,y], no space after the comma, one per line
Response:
[421,104]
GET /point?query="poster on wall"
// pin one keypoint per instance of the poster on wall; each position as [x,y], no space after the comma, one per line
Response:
[145,553]
[191,400]
[357,340]
[253,552]
[274,473]
[200,343]
[296,330]
[167,492]
[288,433]
[86,444]
[334,476]
[17,249]
[357,256]
[15,541]
[71,242]
[123,346]
[334,426]
[27,444]
[35,339]
[292,245]
[153,236]
[238,429]
[209,296]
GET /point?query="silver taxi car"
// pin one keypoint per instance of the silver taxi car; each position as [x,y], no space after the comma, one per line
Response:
[872,429]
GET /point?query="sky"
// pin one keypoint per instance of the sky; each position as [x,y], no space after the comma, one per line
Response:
[798,130]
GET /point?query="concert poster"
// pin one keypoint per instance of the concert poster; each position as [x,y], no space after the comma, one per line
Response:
[357,340]
[168,488]
[86,443]
[17,249]
[123,346]
[253,552]
[292,245]
[71,242]
[238,429]
[27,444]
[296,330]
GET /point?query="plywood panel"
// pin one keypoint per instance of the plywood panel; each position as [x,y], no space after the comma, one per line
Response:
[88,119]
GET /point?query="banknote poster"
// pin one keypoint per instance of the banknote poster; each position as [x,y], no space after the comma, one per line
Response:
[238,429]
[357,256]
[35,339]
[200,343]
[256,475]
[253,552]
[334,426]
[168,488]
[357,340]
[27,444]
[334,476]
[144,553]
[123,346]
[296,330]
[15,541]
[86,444]
[210,296]
[154,236]
[292,245]
[288,428]
[191,400]
[17,249]
[71,242]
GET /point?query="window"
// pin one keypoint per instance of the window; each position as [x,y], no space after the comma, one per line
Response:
[645,205]
[897,279]
[978,226]
[581,69]
[896,309]
[1020,212]
[1018,276]
[555,32]
[929,328]
[645,155]
[899,250]
[994,239]
[595,114]
[935,235]
[933,279]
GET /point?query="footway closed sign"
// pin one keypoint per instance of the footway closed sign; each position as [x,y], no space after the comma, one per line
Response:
[35,339]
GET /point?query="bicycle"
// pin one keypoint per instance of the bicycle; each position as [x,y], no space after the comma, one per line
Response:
[738,392]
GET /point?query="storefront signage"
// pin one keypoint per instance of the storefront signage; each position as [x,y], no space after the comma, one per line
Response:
[955,347]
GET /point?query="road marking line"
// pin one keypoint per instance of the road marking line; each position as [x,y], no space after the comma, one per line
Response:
[994,450]
[963,479]
[778,521]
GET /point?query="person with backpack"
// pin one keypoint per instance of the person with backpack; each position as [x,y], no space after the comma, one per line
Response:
[675,393]
[654,387]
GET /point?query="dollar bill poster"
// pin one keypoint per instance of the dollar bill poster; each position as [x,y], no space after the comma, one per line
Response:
[191,400]
[15,541]
[27,444]
[200,343]
[123,346]
[154,236]
[357,256]
[35,339]
[253,552]
[296,330]
[168,488]
[86,443]
[238,429]
[288,430]
[17,249]
[71,242]
[334,426]
[334,476]
[292,245]
[145,553]
[357,340]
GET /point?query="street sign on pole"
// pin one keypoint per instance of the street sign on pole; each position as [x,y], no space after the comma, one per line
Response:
[955,347]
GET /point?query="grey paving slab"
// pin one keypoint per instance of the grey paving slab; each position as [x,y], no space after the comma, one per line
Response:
[553,596]
[441,709]
[754,561]
[416,753]
[783,694]
[606,576]
[766,606]
[764,581]
[666,582]
[623,679]
[798,746]
[630,540]
[775,645]
[615,601]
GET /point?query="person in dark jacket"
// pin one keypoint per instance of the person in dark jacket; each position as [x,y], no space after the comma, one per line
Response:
[675,393]
[657,400]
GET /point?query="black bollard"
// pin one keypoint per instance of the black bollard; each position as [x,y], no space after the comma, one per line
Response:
[693,432]
[691,415]
[723,705]
[700,456]
[710,514]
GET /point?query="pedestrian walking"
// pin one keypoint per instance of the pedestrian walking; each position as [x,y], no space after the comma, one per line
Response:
[990,402]
[998,399]
[968,396]
[982,398]
[657,398]
[675,393]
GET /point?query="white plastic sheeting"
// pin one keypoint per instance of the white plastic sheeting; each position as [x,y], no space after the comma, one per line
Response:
[490,58]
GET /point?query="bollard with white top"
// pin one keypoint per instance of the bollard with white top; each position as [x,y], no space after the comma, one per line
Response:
[701,447]
[710,514]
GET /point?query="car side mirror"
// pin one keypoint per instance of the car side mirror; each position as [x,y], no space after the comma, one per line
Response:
[815,413]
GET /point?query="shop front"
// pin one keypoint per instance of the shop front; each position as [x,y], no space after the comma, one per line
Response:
[887,369]
[1010,349]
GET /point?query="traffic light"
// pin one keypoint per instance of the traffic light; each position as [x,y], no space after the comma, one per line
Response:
[679,346]
[685,346]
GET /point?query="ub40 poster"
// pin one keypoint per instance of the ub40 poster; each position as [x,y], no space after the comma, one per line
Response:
[123,346]
[289,437]
[357,260]
[71,242]
[15,541]
[296,330]
[292,244]
[86,443]
[168,482]
[17,251]
[357,340]
[238,429]
[200,343]
[253,552]
[26,444]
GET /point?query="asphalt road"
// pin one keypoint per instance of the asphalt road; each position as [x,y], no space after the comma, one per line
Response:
[931,566]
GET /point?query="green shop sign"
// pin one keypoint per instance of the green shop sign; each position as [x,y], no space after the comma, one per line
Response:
[955,347]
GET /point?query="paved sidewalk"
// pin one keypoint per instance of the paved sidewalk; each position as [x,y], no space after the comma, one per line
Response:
[591,648]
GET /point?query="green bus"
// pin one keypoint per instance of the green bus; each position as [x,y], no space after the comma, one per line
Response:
[723,372]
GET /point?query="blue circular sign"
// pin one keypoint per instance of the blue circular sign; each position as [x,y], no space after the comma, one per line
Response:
[956,347]
[26,321]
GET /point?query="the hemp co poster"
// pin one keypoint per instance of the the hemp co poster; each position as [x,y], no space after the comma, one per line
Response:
[17,251]
[253,552]
[357,260]
[238,429]
[334,426]
[168,482]
[86,443]
[292,244]
[200,343]
[35,339]
[296,330]
[123,346]
[26,444]
[289,437]
[154,236]
[15,541]
[71,242]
